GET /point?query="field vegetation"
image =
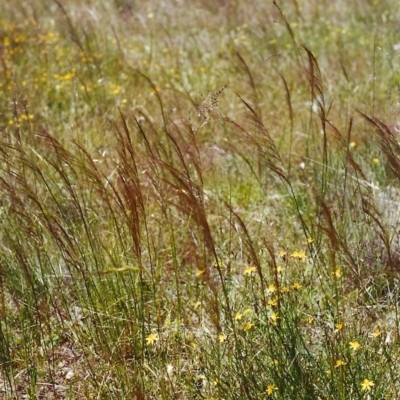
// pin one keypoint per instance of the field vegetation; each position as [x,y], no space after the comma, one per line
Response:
[199,199]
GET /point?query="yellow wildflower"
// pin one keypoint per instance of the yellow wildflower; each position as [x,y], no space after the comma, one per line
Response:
[248,326]
[337,273]
[249,270]
[377,332]
[273,302]
[299,255]
[339,327]
[273,318]
[238,316]
[367,385]
[152,338]
[222,338]
[271,389]
[296,286]
[339,363]
[271,288]
[354,345]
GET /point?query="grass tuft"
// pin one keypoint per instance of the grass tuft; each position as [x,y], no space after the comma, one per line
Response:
[199,202]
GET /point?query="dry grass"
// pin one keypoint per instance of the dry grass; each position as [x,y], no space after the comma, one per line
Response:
[199,202]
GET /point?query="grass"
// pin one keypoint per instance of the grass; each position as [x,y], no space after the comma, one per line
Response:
[199,202]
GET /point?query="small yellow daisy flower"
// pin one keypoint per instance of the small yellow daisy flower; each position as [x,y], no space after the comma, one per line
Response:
[367,385]
[248,326]
[151,339]
[354,345]
[273,302]
[339,363]
[271,389]
[238,316]
[296,286]
[222,338]
[271,288]
[249,270]
[339,327]
[298,255]
[273,318]
[377,332]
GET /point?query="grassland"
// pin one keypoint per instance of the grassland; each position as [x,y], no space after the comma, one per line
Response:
[199,200]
